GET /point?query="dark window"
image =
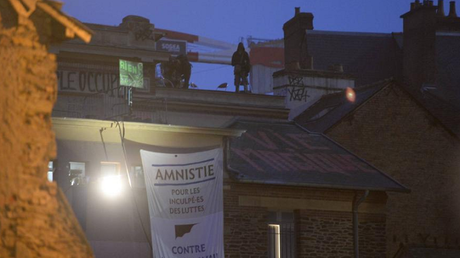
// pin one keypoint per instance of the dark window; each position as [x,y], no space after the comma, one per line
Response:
[77,173]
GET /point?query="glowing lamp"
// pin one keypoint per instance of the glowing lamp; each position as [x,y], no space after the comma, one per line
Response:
[111,186]
[350,94]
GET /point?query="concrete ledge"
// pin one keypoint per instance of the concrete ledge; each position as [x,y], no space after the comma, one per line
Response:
[294,204]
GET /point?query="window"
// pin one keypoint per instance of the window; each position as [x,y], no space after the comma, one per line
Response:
[274,240]
[137,176]
[110,169]
[77,171]
[322,113]
[281,235]
[50,171]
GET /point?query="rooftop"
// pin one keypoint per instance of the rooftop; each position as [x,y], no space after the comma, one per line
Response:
[286,154]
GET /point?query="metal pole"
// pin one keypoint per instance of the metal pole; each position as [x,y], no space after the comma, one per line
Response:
[130,100]
[356,203]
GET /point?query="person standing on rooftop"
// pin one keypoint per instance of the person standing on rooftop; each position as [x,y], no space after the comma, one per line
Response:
[240,60]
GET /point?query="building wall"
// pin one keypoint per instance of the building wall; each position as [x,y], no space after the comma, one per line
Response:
[35,221]
[301,89]
[395,134]
[88,87]
[322,217]
[322,220]
[119,226]
[329,234]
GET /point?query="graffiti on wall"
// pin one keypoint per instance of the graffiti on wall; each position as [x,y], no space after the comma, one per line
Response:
[295,80]
[298,94]
[93,82]
[297,90]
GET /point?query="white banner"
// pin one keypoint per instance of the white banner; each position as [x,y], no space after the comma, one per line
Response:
[186,203]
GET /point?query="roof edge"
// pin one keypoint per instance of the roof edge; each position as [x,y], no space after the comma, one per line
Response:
[77,122]
[337,187]
[388,82]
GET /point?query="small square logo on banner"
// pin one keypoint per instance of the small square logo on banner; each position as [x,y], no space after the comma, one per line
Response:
[181,230]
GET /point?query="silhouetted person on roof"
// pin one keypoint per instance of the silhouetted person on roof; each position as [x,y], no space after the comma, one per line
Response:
[185,70]
[240,60]
[177,71]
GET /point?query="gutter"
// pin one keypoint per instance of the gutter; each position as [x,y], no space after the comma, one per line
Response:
[356,203]
[237,176]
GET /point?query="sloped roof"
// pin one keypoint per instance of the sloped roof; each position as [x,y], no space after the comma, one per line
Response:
[443,100]
[72,27]
[448,113]
[284,153]
[331,108]
[370,57]
[448,66]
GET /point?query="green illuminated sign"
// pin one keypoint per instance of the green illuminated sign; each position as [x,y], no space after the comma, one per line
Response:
[131,74]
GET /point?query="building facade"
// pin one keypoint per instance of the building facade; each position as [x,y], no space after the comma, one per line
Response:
[400,136]
[261,218]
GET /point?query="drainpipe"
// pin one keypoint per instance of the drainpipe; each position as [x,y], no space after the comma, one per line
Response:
[356,203]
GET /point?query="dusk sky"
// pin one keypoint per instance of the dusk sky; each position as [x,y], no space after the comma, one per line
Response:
[230,20]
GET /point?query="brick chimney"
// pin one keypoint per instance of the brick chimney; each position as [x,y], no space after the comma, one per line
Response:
[452,11]
[451,22]
[421,25]
[419,50]
[440,11]
[295,41]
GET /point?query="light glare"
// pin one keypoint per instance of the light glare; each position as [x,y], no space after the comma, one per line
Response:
[350,94]
[111,185]
[277,239]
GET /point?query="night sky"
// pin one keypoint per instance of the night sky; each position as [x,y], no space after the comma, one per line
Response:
[230,20]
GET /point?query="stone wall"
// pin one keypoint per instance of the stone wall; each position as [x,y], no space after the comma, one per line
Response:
[319,232]
[35,221]
[330,234]
[398,136]
[245,228]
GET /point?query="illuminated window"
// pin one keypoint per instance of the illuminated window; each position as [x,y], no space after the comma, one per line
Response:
[77,171]
[281,235]
[50,171]
[110,169]
[274,240]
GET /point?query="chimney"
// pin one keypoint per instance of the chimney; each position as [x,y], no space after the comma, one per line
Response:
[440,11]
[452,11]
[295,40]
[419,37]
